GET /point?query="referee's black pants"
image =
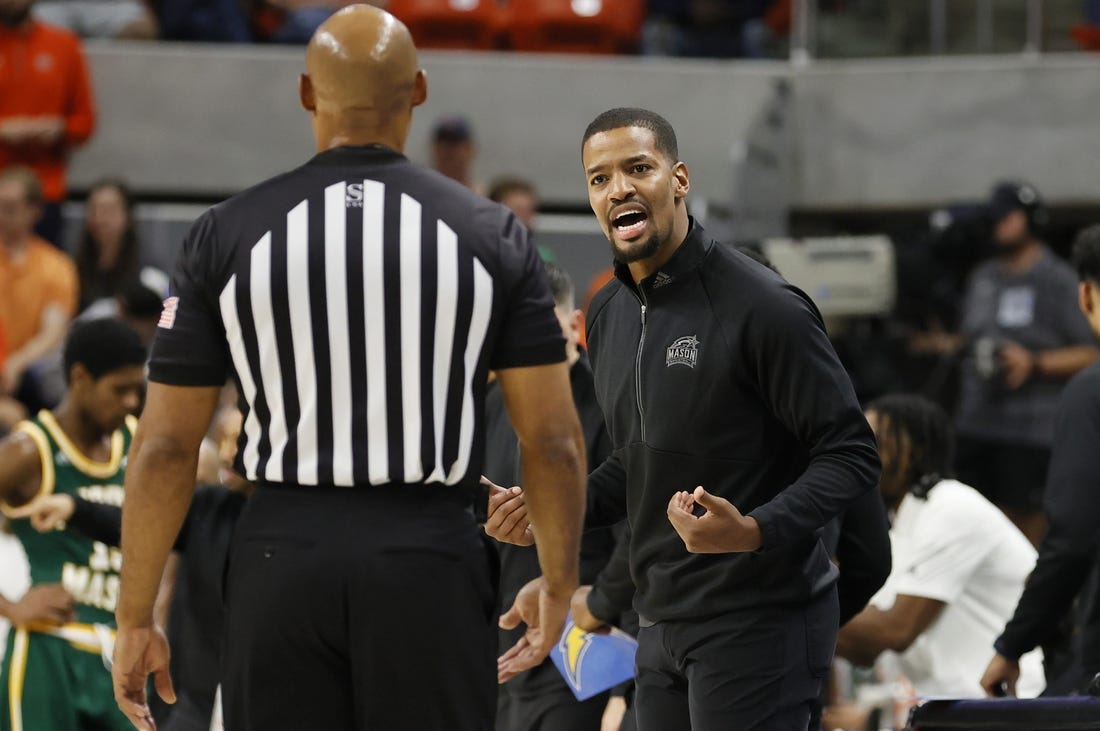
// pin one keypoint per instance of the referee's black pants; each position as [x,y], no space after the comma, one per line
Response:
[753,670]
[368,609]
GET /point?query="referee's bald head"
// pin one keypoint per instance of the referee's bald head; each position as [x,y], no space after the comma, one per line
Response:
[362,78]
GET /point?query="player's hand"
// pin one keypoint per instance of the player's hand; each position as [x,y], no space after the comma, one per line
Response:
[47,512]
[139,652]
[543,610]
[1000,676]
[1018,363]
[49,603]
[582,615]
[720,529]
[506,519]
[613,715]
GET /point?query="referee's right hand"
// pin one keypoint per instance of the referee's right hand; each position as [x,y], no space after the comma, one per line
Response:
[543,610]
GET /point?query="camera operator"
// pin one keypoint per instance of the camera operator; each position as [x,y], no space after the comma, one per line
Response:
[1023,338]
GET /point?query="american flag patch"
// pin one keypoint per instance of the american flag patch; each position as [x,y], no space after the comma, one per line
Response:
[168,314]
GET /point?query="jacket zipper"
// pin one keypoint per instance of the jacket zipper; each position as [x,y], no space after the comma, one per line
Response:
[638,367]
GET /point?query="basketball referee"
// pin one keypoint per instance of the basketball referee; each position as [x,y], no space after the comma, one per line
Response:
[359,302]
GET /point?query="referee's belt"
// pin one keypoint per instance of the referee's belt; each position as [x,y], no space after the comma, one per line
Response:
[98,639]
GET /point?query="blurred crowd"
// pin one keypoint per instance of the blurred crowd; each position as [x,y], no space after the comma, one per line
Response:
[747,29]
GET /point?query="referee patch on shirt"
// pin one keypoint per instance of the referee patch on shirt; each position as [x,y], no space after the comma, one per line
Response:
[168,314]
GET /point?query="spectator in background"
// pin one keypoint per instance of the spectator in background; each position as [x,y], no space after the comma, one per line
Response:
[108,252]
[46,106]
[38,287]
[139,302]
[1069,555]
[101,19]
[715,28]
[301,18]
[453,151]
[959,565]
[208,21]
[521,197]
[518,195]
[1023,337]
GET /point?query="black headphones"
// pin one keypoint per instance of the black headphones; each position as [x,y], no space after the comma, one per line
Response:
[1037,215]
[1022,196]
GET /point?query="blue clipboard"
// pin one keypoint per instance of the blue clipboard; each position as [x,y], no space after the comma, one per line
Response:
[592,663]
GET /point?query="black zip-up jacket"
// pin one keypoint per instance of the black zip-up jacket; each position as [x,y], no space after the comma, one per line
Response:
[716,372]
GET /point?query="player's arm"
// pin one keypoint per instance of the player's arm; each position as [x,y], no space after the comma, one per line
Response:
[20,480]
[20,469]
[875,630]
[159,485]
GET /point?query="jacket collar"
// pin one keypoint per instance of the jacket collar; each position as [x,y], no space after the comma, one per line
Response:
[356,154]
[687,259]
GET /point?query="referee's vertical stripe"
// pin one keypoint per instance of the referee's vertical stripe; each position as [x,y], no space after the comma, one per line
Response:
[227,302]
[271,379]
[446,304]
[301,329]
[410,338]
[336,294]
[374,305]
[479,328]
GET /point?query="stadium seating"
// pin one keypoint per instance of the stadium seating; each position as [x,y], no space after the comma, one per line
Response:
[451,24]
[575,26]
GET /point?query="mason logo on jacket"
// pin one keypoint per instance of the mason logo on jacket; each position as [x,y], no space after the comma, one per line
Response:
[685,351]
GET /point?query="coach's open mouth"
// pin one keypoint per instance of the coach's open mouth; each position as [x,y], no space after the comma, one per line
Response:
[630,223]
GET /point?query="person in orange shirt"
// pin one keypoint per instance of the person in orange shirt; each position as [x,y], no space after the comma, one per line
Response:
[46,105]
[38,286]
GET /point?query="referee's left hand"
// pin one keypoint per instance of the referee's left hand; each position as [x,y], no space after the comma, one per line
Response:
[543,610]
[720,529]
[139,652]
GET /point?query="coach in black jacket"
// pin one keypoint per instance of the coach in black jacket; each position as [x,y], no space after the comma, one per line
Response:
[712,371]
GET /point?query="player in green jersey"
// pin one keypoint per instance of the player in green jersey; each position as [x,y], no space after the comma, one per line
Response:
[54,674]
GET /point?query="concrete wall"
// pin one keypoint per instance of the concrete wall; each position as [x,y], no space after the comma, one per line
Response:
[207,120]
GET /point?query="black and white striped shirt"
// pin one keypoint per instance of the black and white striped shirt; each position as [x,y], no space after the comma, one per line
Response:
[359,302]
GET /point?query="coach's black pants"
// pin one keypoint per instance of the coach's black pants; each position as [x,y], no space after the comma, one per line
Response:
[740,671]
[369,609]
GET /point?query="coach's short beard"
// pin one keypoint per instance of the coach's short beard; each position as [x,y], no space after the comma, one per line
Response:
[645,251]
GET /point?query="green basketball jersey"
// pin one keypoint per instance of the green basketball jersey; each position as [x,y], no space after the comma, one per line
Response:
[89,570]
